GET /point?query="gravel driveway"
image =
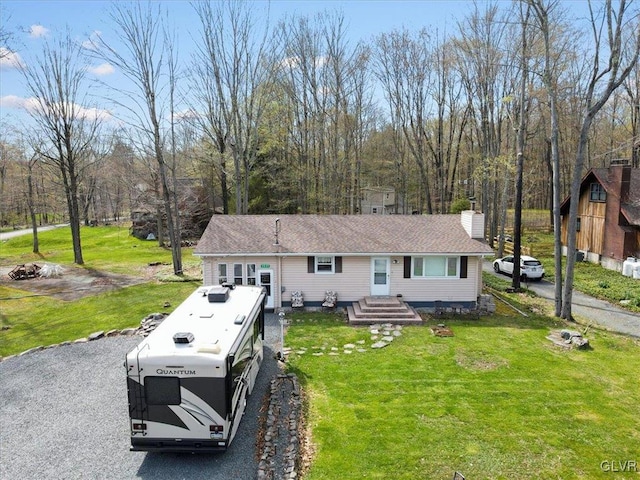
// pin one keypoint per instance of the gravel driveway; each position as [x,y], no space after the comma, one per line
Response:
[63,415]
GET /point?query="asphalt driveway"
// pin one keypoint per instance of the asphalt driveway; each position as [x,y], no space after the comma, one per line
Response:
[588,309]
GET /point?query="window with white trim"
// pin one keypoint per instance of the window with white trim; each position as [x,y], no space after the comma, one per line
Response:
[237,273]
[325,264]
[222,273]
[251,273]
[435,267]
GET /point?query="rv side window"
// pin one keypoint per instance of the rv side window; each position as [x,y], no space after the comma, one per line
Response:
[236,373]
[162,390]
[256,329]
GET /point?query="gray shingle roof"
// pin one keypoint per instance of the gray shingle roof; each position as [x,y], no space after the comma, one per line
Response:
[338,234]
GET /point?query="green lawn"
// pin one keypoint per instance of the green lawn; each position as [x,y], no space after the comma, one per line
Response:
[589,278]
[29,321]
[497,400]
[40,321]
[108,248]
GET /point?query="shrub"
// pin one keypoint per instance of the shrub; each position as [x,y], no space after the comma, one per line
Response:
[459,205]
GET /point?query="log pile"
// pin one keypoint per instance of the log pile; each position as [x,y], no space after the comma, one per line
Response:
[23,272]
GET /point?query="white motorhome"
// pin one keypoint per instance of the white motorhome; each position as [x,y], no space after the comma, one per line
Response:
[189,379]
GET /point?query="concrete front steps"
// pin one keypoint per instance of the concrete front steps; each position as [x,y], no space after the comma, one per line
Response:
[371,310]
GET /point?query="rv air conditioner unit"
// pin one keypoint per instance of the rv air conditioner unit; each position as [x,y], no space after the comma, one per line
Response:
[183,337]
[218,294]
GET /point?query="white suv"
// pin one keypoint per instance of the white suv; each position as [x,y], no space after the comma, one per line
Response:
[530,268]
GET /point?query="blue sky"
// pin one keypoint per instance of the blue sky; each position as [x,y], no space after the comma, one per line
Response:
[32,22]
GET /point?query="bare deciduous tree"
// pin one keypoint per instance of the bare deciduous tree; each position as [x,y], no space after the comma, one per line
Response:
[233,68]
[144,61]
[632,90]
[401,58]
[62,120]
[486,68]
[616,45]
[541,15]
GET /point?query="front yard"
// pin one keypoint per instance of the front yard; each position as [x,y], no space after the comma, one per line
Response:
[496,400]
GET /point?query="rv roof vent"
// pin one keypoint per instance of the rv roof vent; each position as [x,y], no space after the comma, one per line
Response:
[183,337]
[218,294]
[239,319]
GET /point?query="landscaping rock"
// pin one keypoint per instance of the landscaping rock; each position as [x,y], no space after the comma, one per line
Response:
[31,350]
[569,339]
[96,336]
[280,457]
[441,330]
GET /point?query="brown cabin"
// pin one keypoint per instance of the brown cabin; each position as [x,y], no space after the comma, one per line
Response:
[608,215]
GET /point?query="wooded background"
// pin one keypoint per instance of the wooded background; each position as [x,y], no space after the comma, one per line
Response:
[296,118]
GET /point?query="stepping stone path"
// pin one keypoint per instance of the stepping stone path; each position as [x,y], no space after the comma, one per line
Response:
[381,336]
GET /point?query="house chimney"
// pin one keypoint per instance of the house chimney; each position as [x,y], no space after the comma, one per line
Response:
[622,171]
[473,223]
[625,183]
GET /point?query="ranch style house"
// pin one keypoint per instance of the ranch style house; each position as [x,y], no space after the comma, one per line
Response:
[424,260]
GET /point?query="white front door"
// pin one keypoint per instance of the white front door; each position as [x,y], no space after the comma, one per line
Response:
[380,275]
[265,279]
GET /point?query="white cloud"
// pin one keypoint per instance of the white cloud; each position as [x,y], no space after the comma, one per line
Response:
[186,114]
[295,63]
[290,62]
[13,101]
[95,113]
[102,70]
[37,31]
[9,59]
[90,43]
[32,104]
